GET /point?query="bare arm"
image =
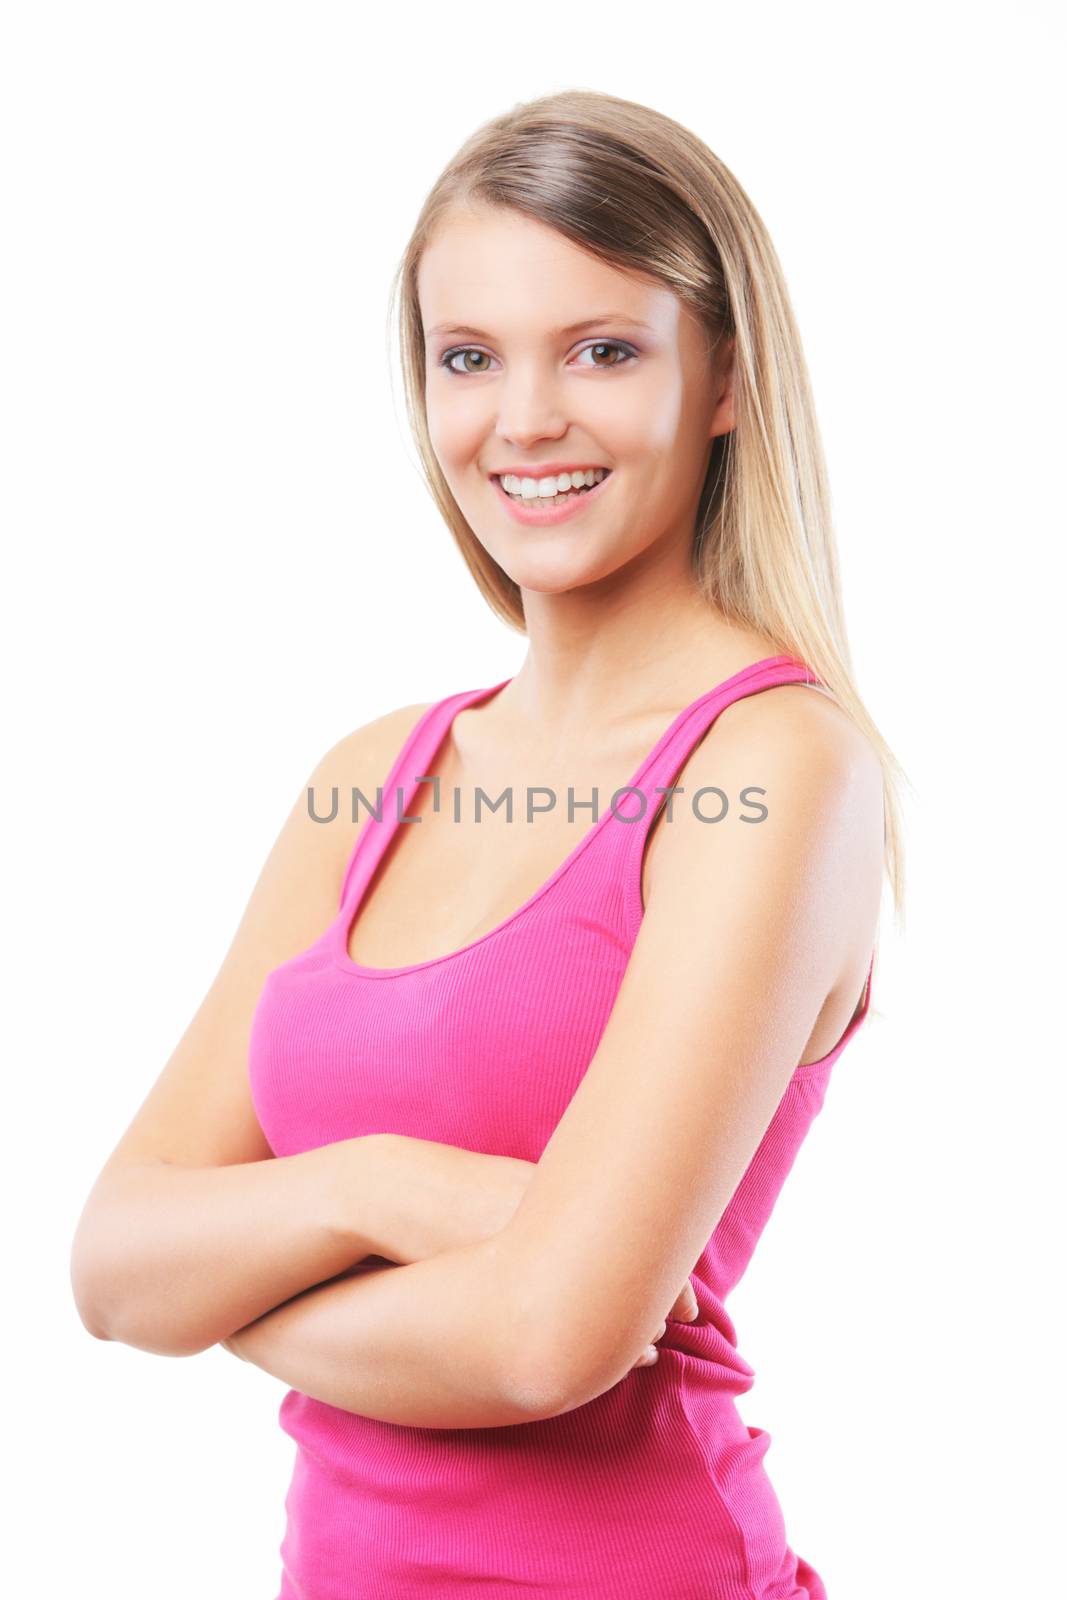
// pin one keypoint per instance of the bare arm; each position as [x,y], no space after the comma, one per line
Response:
[171,1259]
[291,1223]
[437,1348]
[193,1226]
[433,1344]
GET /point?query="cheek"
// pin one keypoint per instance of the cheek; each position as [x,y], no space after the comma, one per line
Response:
[639,422]
[440,419]
[456,425]
[665,411]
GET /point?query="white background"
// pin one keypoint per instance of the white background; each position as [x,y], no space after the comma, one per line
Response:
[219,560]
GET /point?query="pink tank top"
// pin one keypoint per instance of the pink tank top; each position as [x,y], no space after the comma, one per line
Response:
[655,1488]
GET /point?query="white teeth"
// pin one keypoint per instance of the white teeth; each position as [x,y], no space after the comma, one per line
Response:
[547,488]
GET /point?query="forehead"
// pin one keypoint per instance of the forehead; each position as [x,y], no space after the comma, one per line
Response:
[509,273]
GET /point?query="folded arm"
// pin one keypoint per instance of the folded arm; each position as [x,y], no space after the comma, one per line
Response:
[432,1344]
[193,1228]
[731,968]
[171,1258]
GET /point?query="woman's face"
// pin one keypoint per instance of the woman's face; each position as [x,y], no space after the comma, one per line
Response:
[513,385]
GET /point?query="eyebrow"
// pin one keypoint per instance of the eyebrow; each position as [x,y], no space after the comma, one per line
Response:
[555,333]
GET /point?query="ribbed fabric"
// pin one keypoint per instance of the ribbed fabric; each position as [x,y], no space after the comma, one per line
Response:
[655,1488]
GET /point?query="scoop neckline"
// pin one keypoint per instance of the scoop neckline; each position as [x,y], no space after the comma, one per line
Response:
[346,917]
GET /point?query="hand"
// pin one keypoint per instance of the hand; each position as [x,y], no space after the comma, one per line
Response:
[443,1197]
[684,1309]
[459,1196]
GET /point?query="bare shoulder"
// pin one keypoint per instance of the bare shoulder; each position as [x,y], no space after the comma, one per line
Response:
[801,738]
[366,747]
[365,755]
[795,753]
[308,859]
[806,723]
[361,759]
[826,774]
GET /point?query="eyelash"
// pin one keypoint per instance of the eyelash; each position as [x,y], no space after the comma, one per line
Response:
[597,344]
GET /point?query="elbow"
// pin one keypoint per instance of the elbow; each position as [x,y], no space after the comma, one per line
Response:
[559,1372]
[141,1330]
[89,1321]
[550,1388]
[577,1382]
[86,1288]
[110,1309]
[578,1359]
[535,1394]
[556,1356]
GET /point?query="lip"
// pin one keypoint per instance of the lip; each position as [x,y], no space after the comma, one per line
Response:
[535,516]
[547,469]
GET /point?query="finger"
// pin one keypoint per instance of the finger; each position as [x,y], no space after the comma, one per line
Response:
[687,1301]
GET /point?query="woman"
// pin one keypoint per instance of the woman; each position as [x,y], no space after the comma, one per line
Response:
[474,1169]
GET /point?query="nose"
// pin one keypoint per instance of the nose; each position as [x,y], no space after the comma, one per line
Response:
[529,409]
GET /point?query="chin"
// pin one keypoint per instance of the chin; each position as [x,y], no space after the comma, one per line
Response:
[555,577]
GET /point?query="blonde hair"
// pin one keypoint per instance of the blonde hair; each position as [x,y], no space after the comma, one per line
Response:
[643,193]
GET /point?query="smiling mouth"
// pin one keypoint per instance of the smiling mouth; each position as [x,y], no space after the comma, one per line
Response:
[556,499]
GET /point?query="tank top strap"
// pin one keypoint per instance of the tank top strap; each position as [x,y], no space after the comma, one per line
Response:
[412,764]
[666,758]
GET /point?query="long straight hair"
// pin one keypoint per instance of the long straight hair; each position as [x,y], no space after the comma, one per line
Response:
[641,192]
